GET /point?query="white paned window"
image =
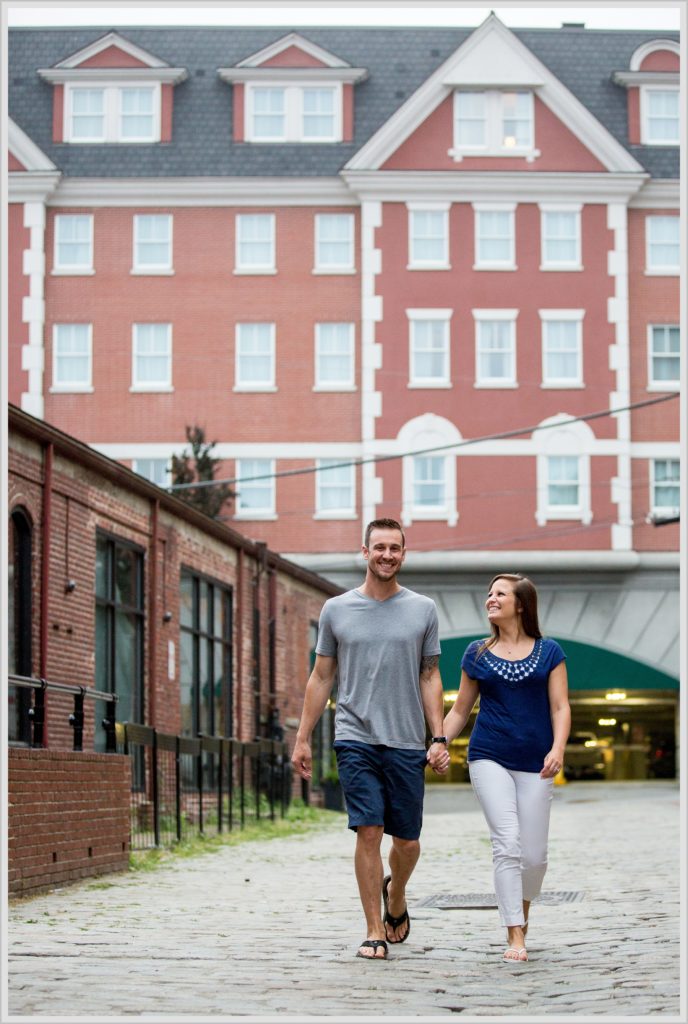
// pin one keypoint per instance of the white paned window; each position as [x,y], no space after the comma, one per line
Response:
[495,348]
[73,244]
[660,116]
[334,242]
[334,357]
[112,113]
[255,357]
[152,243]
[255,488]
[319,120]
[428,239]
[494,238]
[562,347]
[666,486]
[137,115]
[429,364]
[470,120]
[293,113]
[493,123]
[87,121]
[72,357]
[664,356]
[662,245]
[335,489]
[152,357]
[155,470]
[429,484]
[563,482]
[255,243]
[560,238]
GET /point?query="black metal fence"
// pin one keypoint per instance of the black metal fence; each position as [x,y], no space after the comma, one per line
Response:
[183,786]
[36,711]
[180,786]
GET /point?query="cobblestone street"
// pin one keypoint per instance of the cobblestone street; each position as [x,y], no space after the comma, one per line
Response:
[268,930]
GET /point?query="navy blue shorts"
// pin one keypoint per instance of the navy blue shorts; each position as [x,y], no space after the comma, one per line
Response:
[382,786]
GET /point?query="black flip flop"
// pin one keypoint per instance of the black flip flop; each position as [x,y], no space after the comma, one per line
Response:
[389,919]
[374,944]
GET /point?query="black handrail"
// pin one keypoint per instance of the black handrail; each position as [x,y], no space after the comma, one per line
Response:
[76,719]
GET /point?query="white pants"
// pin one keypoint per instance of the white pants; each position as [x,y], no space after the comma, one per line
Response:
[516,806]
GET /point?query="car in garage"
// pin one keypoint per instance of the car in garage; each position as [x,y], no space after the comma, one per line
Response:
[583,757]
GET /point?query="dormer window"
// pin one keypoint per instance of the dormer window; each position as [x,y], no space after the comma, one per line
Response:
[112,91]
[112,113]
[659,116]
[493,123]
[652,83]
[292,91]
[293,113]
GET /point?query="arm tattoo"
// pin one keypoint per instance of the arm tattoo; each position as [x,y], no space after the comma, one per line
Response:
[428,664]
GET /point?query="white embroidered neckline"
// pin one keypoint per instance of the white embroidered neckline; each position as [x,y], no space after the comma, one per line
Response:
[515,671]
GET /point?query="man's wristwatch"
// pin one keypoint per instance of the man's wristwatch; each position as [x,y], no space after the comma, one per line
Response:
[439,739]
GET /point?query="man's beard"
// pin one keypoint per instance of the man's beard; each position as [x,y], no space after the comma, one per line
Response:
[384,577]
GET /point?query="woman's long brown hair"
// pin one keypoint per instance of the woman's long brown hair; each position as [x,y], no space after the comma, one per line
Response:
[526,595]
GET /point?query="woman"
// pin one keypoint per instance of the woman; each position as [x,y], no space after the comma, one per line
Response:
[517,743]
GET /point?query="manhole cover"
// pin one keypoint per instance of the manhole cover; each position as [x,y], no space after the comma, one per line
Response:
[478,900]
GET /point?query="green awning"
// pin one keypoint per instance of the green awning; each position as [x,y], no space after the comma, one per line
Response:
[589,667]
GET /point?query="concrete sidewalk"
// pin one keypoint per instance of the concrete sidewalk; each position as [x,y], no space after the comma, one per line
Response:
[268,930]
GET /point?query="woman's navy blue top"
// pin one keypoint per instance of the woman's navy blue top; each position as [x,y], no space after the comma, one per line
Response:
[514,726]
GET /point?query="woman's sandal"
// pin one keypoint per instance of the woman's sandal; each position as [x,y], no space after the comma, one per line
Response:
[374,945]
[511,953]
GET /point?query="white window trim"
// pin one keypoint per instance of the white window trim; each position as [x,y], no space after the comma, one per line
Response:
[342,513]
[261,514]
[444,316]
[415,437]
[563,437]
[75,269]
[111,112]
[508,264]
[645,116]
[661,385]
[154,458]
[559,265]
[571,315]
[669,270]
[150,386]
[493,128]
[66,387]
[334,268]
[511,316]
[259,386]
[255,268]
[334,386]
[417,264]
[152,269]
[662,510]
[293,112]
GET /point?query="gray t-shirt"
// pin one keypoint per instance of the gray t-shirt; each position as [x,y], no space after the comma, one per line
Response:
[378,646]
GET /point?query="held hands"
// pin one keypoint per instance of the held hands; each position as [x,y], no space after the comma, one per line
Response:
[302,759]
[438,758]
[552,764]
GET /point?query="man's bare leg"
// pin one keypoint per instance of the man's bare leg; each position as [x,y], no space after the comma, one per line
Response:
[403,857]
[368,865]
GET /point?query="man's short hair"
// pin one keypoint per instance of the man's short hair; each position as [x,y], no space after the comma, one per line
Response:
[383,524]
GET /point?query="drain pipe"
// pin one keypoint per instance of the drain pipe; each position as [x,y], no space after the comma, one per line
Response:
[46,531]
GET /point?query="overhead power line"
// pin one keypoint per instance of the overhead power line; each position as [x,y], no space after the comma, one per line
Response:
[500,436]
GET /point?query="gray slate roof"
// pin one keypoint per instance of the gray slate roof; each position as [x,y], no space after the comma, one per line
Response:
[398,60]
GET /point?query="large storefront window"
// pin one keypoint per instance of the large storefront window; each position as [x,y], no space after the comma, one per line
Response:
[19,624]
[205,657]
[119,630]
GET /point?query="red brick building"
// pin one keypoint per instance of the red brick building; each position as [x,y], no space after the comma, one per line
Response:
[352,254]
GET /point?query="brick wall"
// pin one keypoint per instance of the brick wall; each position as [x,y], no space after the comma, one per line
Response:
[68,817]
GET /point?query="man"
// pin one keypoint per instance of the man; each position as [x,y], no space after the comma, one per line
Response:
[382,642]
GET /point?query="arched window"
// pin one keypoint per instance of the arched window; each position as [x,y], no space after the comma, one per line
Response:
[19,662]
